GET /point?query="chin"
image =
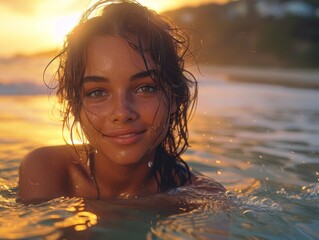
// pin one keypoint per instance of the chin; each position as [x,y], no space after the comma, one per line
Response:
[125,159]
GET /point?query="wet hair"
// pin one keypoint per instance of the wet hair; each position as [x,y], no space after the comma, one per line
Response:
[147,33]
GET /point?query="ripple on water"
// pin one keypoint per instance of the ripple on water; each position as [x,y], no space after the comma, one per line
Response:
[209,218]
[43,220]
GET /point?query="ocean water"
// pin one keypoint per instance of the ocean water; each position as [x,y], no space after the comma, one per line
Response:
[260,141]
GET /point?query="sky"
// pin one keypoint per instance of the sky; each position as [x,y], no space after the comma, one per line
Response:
[31,26]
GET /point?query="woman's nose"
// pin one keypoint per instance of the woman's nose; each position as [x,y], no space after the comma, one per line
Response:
[124,108]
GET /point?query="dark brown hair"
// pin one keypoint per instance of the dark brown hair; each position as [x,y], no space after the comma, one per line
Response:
[168,46]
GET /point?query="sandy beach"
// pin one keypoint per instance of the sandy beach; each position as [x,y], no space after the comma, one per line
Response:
[302,78]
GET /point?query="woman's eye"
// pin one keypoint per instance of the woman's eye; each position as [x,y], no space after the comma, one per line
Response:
[146,89]
[97,93]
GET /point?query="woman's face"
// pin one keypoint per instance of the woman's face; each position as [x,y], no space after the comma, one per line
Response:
[124,113]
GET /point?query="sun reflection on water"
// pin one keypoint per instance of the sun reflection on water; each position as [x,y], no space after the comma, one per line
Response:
[82,220]
[259,152]
[29,120]
[46,219]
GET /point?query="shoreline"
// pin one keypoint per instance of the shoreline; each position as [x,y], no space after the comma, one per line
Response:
[299,78]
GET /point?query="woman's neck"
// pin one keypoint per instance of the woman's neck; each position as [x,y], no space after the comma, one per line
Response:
[122,181]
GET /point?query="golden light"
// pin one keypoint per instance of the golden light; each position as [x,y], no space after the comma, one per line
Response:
[44,30]
[165,5]
[62,25]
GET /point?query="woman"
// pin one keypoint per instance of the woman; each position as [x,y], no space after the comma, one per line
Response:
[126,95]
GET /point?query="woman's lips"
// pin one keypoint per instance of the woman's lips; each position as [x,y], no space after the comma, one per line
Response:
[125,137]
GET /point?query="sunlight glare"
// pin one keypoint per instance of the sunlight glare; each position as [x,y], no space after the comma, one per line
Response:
[62,25]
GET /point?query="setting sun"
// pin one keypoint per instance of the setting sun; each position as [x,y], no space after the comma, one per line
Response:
[33,26]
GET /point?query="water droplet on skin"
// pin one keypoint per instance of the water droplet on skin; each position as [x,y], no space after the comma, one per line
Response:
[33,183]
[150,164]
[124,195]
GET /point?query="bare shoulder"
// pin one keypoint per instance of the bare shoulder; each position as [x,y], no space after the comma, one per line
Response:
[43,173]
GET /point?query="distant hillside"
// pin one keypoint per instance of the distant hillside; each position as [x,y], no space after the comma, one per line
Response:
[244,33]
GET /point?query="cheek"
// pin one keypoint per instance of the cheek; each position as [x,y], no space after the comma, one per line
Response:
[91,120]
[157,115]
[89,124]
[90,128]
[94,111]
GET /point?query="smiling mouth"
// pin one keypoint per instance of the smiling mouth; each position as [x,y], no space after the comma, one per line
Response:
[125,137]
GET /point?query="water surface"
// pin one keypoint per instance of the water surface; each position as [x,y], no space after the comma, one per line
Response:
[260,141]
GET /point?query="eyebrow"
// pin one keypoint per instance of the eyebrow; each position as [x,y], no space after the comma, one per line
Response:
[143,74]
[95,79]
[139,75]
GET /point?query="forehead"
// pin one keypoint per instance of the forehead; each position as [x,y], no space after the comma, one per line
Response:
[107,53]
